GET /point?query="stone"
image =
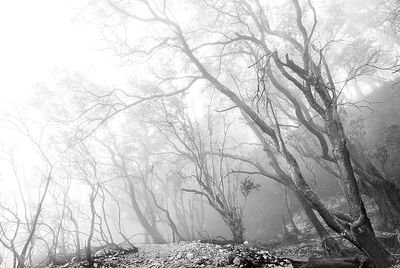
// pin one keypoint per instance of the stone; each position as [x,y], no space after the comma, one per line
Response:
[236,261]
[190,255]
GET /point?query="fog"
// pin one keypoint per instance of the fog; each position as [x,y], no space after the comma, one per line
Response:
[136,122]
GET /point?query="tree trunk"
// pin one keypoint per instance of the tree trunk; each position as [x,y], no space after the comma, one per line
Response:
[384,192]
[336,135]
[180,215]
[372,248]
[295,229]
[88,250]
[362,234]
[386,217]
[236,227]
[171,222]
[78,243]
[151,230]
[330,245]
[388,200]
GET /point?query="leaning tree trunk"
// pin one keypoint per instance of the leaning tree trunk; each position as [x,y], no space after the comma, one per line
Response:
[361,231]
[330,245]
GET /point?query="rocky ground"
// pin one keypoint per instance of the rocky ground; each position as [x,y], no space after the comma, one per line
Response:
[198,254]
[185,254]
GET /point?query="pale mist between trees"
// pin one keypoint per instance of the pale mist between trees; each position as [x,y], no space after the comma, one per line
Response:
[238,120]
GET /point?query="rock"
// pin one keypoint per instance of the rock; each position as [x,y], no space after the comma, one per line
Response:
[99,253]
[155,264]
[190,255]
[236,261]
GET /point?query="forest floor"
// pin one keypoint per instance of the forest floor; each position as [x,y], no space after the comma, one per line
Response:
[185,254]
[199,254]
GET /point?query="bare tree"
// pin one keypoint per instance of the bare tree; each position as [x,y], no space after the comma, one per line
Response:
[22,254]
[120,162]
[248,34]
[211,171]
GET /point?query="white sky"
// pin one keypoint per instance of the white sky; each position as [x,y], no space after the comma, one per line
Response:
[39,37]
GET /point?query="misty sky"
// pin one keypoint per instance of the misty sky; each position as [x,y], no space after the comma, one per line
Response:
[39,38]
[154,119]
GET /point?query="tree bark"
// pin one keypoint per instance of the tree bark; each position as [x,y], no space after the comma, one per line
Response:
[236,227]
[330,245]
[363,234]
[385,193]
